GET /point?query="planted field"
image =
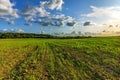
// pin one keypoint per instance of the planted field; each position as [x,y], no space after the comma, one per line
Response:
[60,59]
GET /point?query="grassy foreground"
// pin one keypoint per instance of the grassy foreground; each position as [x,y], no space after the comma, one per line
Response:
[60,59]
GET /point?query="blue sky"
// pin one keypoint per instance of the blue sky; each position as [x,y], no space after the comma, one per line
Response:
[66,16]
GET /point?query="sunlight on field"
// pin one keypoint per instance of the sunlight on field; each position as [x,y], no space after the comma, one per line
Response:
[60,59]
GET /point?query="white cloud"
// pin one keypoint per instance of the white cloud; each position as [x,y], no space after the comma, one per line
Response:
[104,17]
[44,17]
[53,4]
[12,30]
[42,11]
[6,9]
[7,19]
[41,14]
[4,30]
[105,12]
[19,31]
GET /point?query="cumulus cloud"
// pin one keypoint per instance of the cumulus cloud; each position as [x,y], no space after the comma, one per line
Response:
[107,19]
[108,15]
[5,30]
[42,32]
[74,33]
[110,12]
[7,12]
[53,4]
[71,23]
[19,31]
[43,16]
[89,23]
[86,24]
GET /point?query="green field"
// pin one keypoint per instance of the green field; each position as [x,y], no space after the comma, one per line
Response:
[60,59]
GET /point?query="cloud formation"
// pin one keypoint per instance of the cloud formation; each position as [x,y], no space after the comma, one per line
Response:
[43,14]
[89,23]
[110,12]
[5,30]
[7,12]
[107,19]
[19,31]
[52,4]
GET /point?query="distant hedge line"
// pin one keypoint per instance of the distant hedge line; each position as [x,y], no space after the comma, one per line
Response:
[32,35]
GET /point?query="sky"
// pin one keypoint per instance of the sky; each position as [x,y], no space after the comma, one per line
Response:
[60,16]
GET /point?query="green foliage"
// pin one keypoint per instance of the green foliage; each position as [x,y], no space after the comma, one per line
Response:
[23,35]
[60,59]
[32,35]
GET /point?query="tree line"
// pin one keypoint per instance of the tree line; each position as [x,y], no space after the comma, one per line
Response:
[32,35]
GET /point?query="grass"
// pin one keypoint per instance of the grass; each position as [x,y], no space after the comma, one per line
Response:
[60,59]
